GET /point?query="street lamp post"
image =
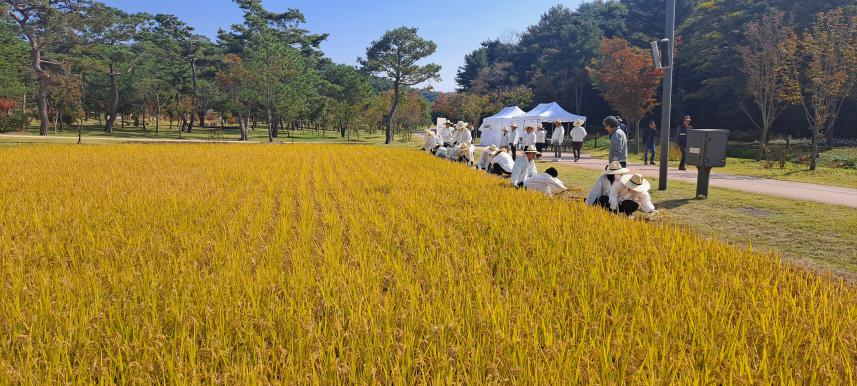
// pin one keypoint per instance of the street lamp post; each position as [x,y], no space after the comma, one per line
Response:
[668,96]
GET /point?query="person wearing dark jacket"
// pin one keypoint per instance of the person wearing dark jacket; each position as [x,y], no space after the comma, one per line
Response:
[681,140]
[649,135]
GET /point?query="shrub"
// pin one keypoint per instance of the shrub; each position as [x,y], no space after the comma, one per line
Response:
[16,121]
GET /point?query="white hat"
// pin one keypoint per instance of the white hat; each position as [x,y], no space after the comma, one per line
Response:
[615,168]
[578,122]
[514,125]
[464,147]
[636,182]
[531,149]
[491,149]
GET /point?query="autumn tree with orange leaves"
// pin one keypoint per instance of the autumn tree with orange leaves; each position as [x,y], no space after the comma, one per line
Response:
[627,79]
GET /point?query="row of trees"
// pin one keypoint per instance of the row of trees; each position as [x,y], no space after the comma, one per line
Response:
[82,59]
[595,59]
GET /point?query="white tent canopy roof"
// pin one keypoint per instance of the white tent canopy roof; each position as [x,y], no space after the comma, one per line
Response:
[549,112]
[492,126]
[508,113]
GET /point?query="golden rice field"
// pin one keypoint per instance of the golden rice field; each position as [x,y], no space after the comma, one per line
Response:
[177,264]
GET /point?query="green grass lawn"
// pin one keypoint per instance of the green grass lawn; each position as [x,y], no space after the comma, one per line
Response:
[842,174]
[813,235]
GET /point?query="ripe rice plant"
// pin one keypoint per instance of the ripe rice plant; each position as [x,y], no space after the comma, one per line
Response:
[178,264]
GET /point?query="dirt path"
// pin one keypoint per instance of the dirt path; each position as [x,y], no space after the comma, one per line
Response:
[824,194]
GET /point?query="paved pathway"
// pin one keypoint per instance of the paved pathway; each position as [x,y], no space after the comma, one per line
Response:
[795,190]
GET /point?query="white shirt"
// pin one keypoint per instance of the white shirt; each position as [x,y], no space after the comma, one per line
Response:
[515,137]
[558,136]
[505,161]
[441,152]
[546,184]
[522,170]
[619,192]
[541,135]
[484,161]
[602,188]
[528,139]
[507,139]
[578,134]
[464,136]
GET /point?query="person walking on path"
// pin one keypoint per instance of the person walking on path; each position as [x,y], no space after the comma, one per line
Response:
[649,135]
[578,136]
[618,141]
[557,138]
[631,194]
[525,167]
[681,140]
[514,139]
[600,193]
[541,138]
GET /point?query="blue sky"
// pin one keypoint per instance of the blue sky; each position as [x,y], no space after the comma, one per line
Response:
[457,26]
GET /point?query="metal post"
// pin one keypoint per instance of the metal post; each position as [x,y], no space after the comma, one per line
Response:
[668,96]
[702,182]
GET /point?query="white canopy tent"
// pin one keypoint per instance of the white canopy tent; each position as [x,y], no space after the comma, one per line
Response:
[492,127]
[549,112]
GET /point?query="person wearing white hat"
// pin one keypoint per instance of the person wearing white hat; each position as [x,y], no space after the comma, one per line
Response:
[557,139]
[486,158]
[502,163]
[600,193]
[463,154]
[430,140]
[541,139]
[525,167]
[529,137]
[546,182]
[578,136]
[514,140]
[631,194]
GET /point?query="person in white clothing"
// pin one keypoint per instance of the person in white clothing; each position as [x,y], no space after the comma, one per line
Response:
[578,136]
[464,155]
[515,139]
[463,134]
[546,182]
[631,194]
[541,139]
[446,134]
[486,158]
[528,138]
[525,167]
[600,193]
[557,139]
[502,163]
[440,151]
[428,140]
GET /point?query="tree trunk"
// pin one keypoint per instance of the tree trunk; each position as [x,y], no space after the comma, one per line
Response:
[388,120]
[242,121]
[114,102]
[814,157]
[158,117]
[193,97]
[638,139]
[144,119]
[44,80]
[763,143]
[270,123]
[202,119]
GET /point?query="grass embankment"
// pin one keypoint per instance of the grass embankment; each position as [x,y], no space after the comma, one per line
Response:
[276,264]
[835,167]
[815,235]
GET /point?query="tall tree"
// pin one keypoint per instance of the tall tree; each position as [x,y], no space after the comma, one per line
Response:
[627,79]
[830,72]
[769,60]
[395,57]
[47,24]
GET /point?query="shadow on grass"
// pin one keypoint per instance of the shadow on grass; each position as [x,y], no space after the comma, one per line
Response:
[677,203]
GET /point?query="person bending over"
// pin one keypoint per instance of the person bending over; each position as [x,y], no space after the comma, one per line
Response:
[600,193]
[546,182]
[502,163]
[525,167]
[631,194]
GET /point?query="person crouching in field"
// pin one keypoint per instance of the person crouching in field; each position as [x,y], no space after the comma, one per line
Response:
[578,136]
[486,158]
[525,167]
[546,182]
[431,140]
[502,163]
[631,194]
[600,193]
[541,139]
[465,153]
[440,152]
